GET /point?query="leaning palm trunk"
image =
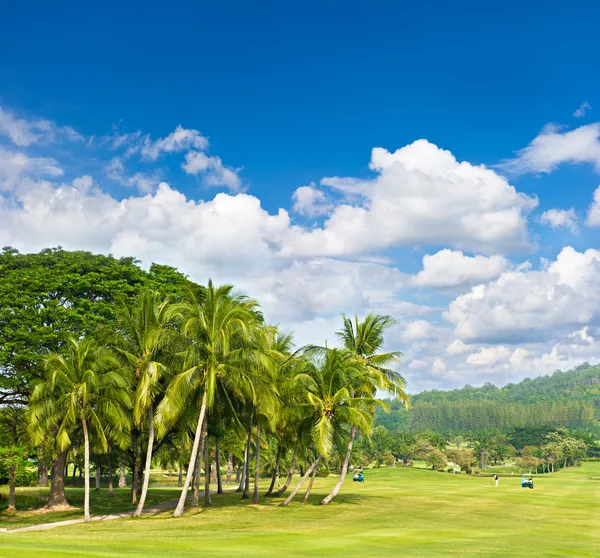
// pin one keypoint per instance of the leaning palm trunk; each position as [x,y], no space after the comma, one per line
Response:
[246,493]
[256,466]
[229,468]
[86,460]
[207,498]
[338,486]
[288,480]
[275,473]
[302,481]
[140,508]
[188,478]
[310,485]
[197,474]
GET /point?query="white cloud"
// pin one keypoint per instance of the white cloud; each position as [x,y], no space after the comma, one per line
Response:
[552,147]
[310,201]
[593,216]
[560,218]
[215,173]
[583,335]
[583,107]
[419,330]
[143,182]
[24,132]
[526,305]
[15,165]
[422,195]
[457,348]
[490,355]
[182,139]
[451,268]
[439,365]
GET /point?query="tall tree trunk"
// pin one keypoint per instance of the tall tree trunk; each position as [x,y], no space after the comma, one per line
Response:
[246,493]
[57,481]
[302,481]
[181,504]
[135,471]
[74,473]
[180,476]
[140,508]
[275,473]
[98,471]
[310,485]
[42,479]
[66,468]
[229,468]
[344,470]
[110,473]
[246,460]
[86,460]
[218,466]
[207,498]
[213,468]
[122,476]
[197,474]
[11,493]
[256,466]
[288,480]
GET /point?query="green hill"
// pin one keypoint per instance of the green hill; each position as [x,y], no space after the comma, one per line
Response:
[570,399]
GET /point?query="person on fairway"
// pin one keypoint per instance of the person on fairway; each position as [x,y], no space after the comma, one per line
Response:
[496,479]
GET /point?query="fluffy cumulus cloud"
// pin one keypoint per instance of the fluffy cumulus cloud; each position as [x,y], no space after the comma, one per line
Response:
[452,268]
[15,165]
[593,216]
[24,132]
[419,330]
[560,218]
[421,195]
[583,108]
[310,201]
[215,173]
[555,146]
[526,305]
[181,139]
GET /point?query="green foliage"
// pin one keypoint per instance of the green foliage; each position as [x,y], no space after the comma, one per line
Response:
[15,458]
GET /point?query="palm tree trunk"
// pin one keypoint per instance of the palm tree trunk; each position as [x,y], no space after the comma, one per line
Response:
[42,479]
[275,473]
[122,477]
[57,481]
[218,466]
[302,481]
[97,473]
[110,474]
[288,480]
[229,468]
[11,494]
[207,498]
[180,477]
[86,460]
[310,485]
[181,504]
[256,466]
[213,468]
[240,488]
[140,508]
[246,493]
[197,474]
[338,486]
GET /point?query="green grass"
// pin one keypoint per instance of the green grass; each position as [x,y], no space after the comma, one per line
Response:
[396,512]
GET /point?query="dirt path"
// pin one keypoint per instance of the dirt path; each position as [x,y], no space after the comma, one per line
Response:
[147,511]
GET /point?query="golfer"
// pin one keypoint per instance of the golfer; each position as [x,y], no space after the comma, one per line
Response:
[496,479]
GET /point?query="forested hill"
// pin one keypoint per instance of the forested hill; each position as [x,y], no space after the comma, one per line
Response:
[570,399]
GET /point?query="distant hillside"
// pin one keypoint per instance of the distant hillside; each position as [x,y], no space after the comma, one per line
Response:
[570,399]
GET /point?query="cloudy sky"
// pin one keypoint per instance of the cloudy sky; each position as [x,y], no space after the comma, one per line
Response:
[423,163]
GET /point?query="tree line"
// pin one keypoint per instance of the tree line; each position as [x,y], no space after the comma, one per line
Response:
[101,359]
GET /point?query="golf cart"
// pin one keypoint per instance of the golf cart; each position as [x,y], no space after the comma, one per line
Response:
[526,483]
[358,476]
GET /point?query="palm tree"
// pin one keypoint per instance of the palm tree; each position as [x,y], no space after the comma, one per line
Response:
[144,339]
[88,387]
[364,341]
[227,351]
[329,404]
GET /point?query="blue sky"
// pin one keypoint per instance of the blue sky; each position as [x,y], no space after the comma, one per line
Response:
[270,180]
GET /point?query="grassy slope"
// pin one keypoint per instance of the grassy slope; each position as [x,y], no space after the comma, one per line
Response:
[396,512]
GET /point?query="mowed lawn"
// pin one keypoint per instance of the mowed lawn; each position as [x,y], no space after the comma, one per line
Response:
[396,512]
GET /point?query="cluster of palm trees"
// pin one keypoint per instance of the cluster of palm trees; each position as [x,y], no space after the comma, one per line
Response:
[208,362]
